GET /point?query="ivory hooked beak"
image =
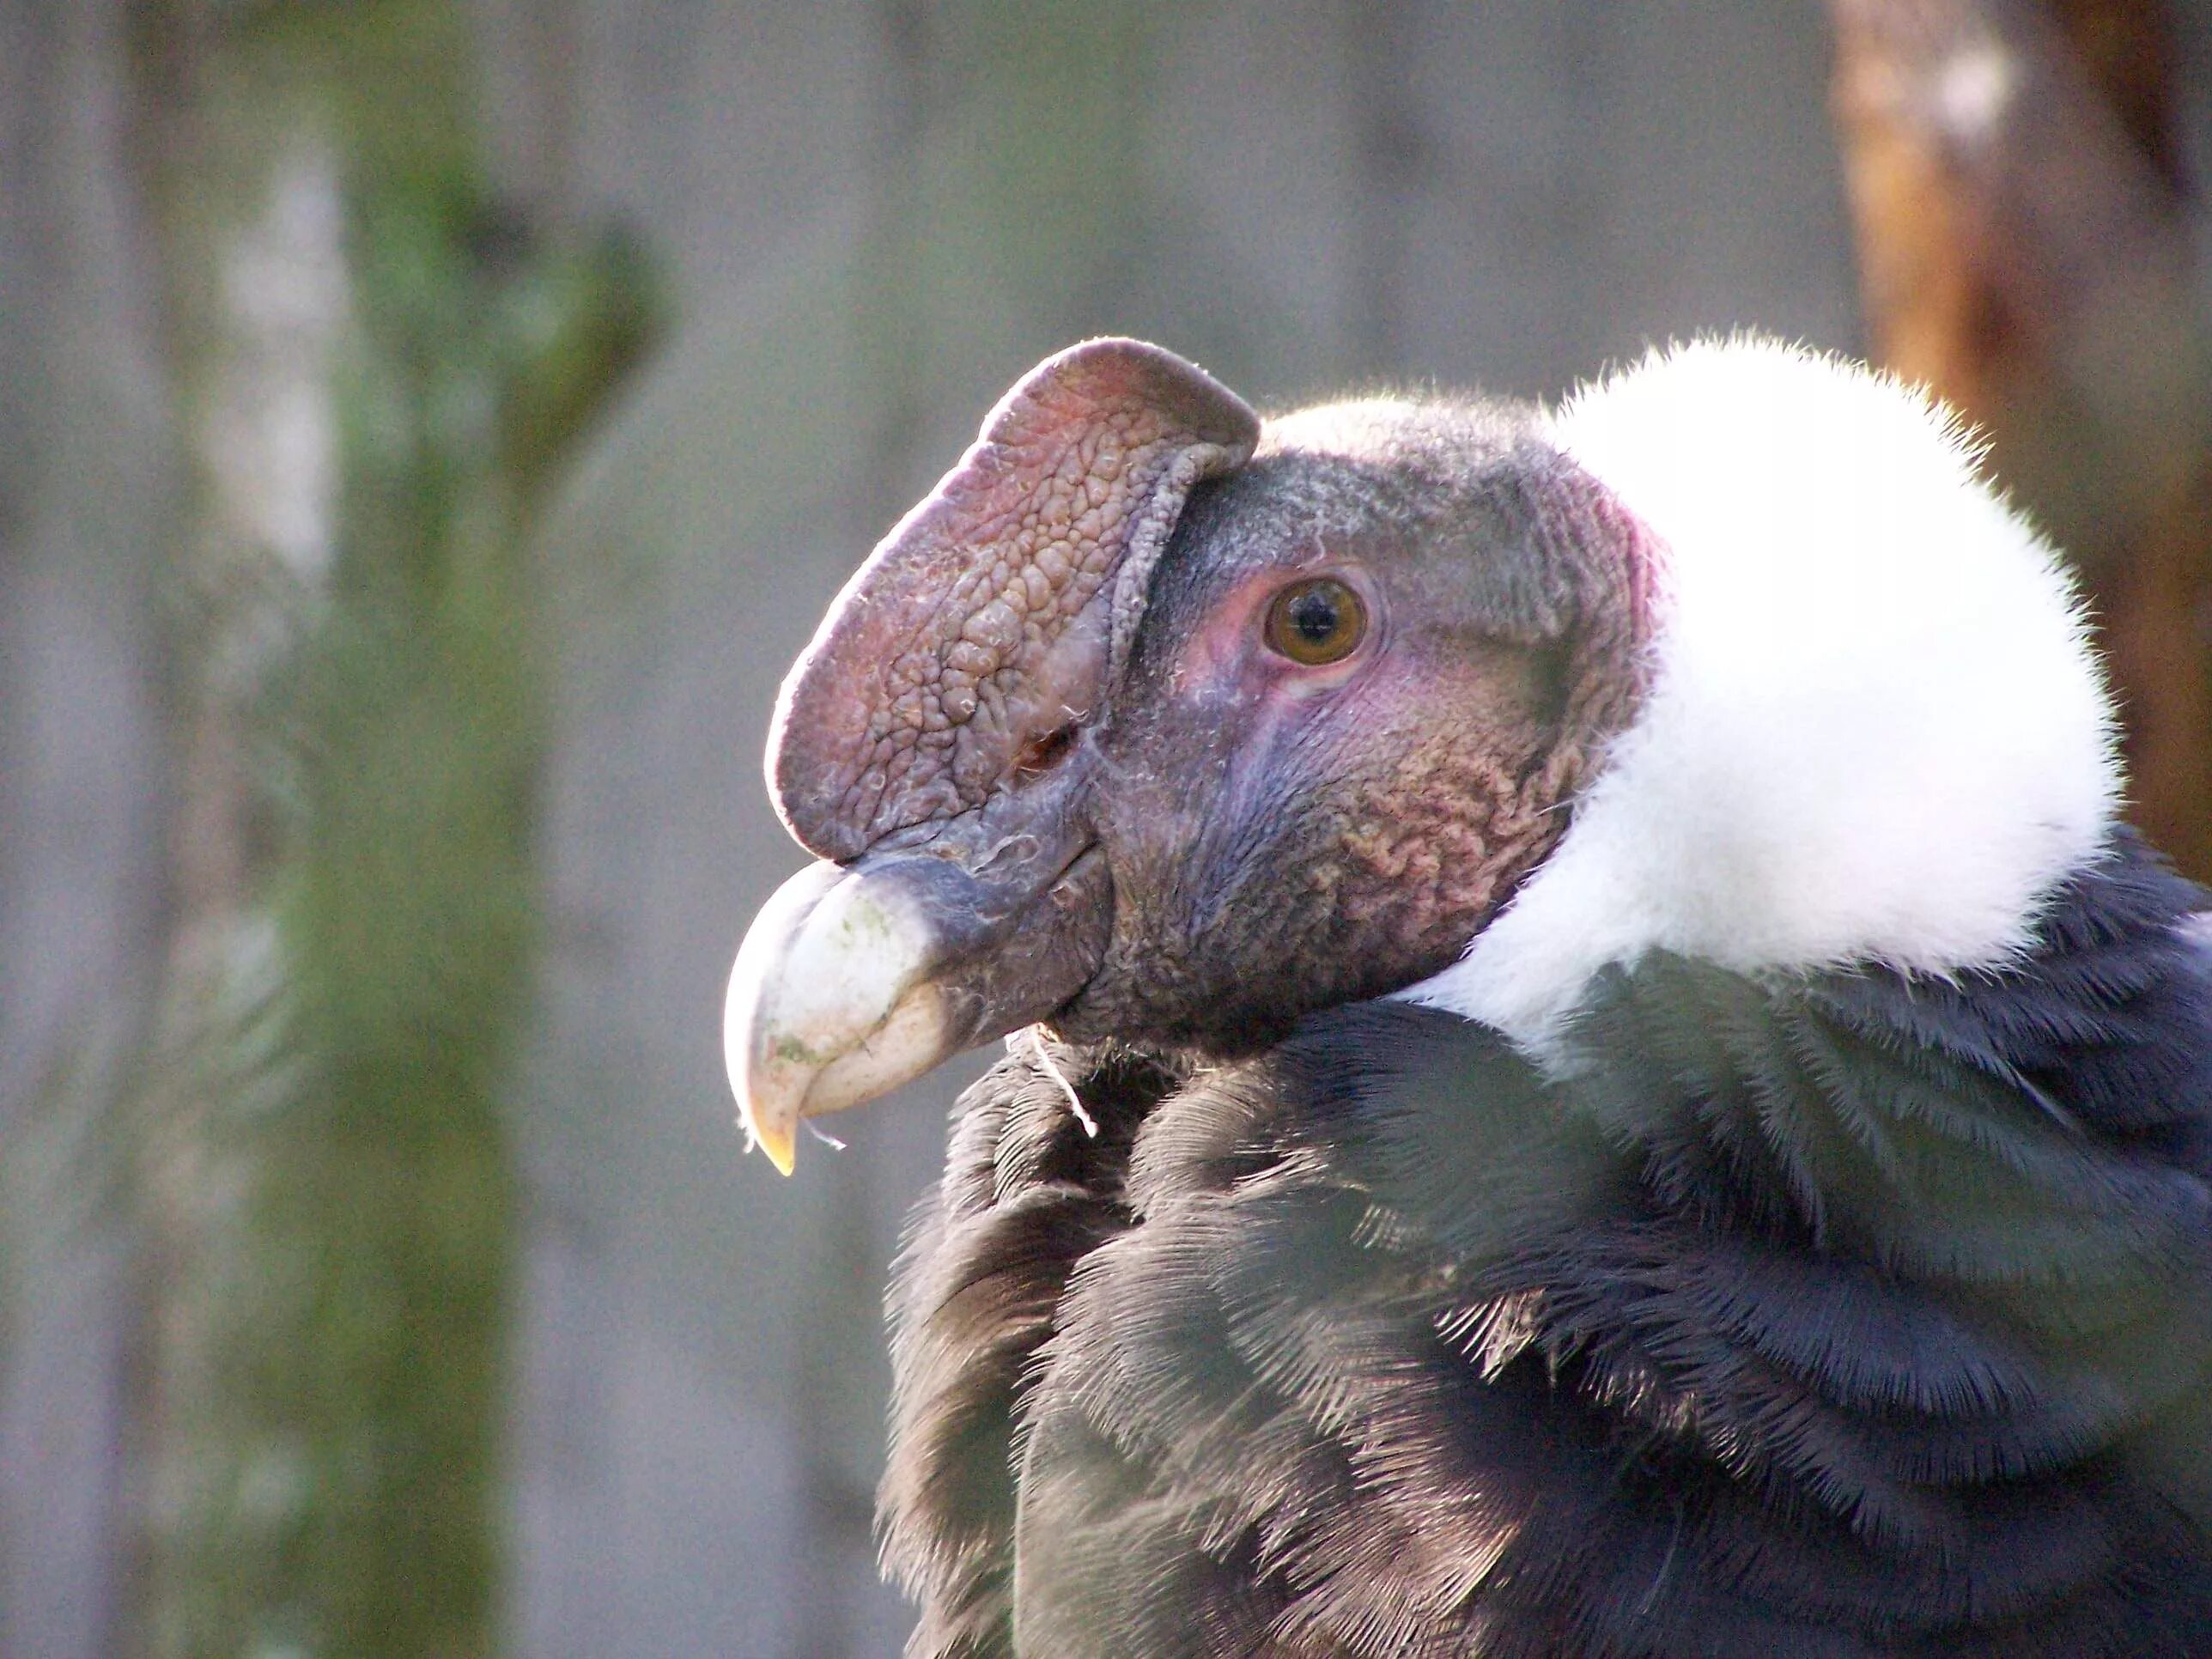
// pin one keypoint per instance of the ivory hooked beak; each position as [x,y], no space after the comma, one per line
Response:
[830,1003]
[855,978]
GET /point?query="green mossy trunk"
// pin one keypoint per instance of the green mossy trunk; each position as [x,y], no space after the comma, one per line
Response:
[376,371]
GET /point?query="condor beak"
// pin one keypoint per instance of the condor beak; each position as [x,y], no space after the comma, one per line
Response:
[830,1004]
[942,707]
[855,979]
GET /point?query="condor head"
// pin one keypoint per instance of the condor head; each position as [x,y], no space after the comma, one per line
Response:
[1160,722]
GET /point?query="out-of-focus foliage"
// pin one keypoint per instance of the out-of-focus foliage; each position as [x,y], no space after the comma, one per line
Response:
[326,1189]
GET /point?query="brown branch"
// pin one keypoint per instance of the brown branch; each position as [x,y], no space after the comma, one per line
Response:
[2023,221]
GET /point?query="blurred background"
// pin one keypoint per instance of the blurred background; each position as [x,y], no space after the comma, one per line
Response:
[429,427]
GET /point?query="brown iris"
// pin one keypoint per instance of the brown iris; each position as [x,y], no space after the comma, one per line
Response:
[1317,622]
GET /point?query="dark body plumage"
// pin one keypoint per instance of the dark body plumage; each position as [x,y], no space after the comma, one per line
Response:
[1841,1312]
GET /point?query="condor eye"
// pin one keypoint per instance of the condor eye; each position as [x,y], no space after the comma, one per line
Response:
[1315,623]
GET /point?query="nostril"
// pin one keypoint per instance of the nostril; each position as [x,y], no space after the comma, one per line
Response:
[1040,754]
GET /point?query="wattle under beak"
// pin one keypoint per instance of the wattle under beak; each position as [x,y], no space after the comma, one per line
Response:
[856,978]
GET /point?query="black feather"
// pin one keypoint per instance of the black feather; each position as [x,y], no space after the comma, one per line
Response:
[1841,1314]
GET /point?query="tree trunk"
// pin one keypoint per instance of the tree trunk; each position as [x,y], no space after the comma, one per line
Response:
[2025,247]
[376,371]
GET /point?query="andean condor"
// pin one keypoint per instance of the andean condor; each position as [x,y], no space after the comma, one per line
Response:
[1594,1071]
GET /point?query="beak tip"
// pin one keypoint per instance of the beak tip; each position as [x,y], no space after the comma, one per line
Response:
[767,1112]
[781,1146]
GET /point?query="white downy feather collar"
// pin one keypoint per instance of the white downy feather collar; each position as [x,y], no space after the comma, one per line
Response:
[1875,730]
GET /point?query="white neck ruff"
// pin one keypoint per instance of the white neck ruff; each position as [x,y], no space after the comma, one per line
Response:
[1875,729]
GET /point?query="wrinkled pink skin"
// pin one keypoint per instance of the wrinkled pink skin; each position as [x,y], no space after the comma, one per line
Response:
[986,621]
[1122,809]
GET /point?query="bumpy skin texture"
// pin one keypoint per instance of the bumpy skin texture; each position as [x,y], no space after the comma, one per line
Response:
[1281,840]
[1842,1314]
[987,619]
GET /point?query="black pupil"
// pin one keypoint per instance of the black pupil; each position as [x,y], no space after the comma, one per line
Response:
[1313,614]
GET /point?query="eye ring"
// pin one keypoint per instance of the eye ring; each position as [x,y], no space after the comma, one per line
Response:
[1316,621]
